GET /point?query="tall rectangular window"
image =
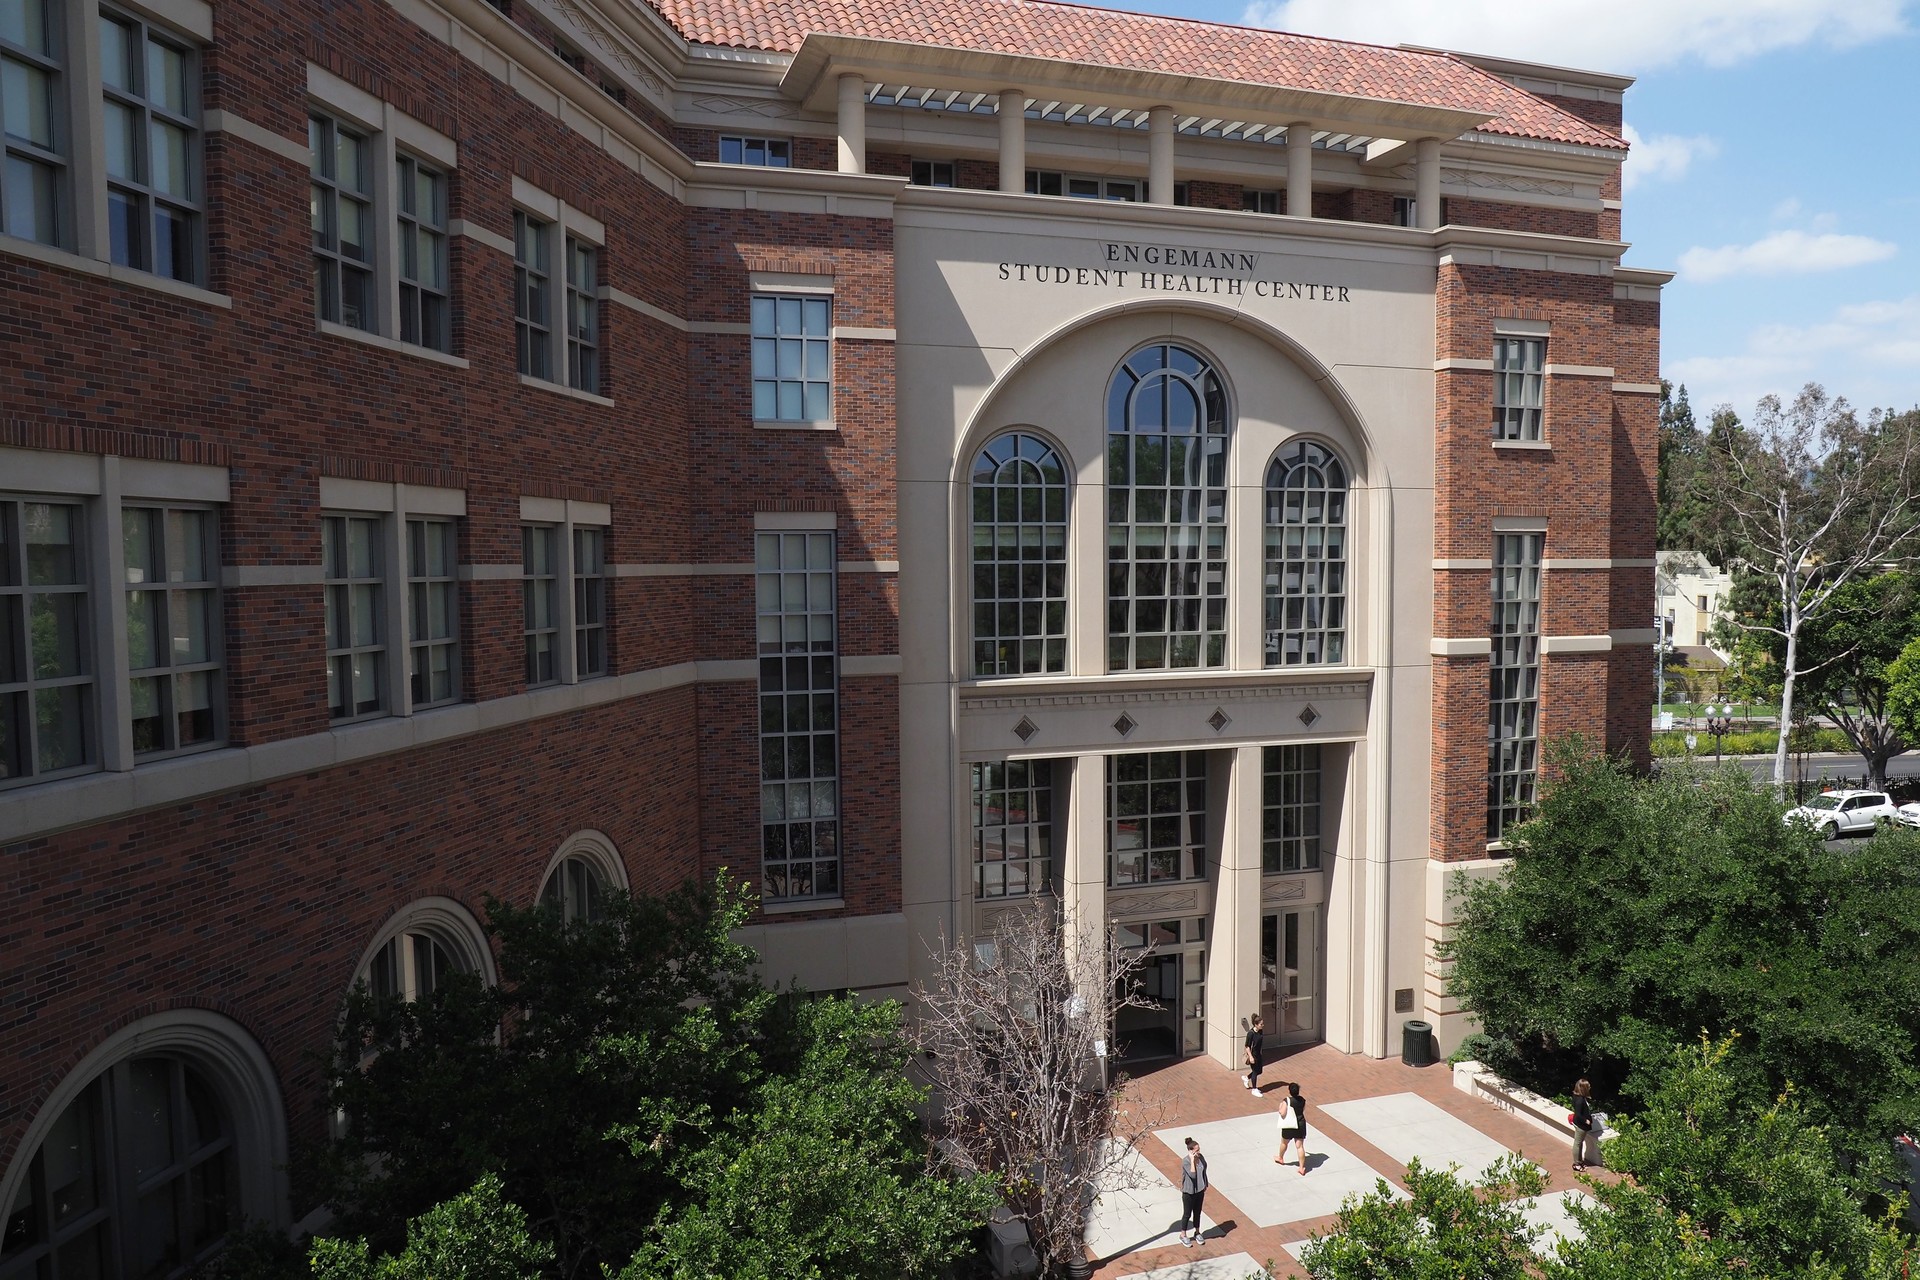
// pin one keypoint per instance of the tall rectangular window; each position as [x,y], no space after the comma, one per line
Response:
[1514,685]
[33,124]
[151,119]
[340,206]
[799,715]
[770,153]
[589,602]
[1012,828]
[46,666]
[1519,385]
[433,612]
[354,569]
[540,601]
[425,314]
[792,358]
[1290,808]
[532,299]
[1156,817]
[583,316]
[171,555]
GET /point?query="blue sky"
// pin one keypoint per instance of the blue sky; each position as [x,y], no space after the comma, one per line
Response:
[1777,168]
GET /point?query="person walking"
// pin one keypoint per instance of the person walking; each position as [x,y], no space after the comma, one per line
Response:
[1293,1124]
[1586,1135]
[1255,1052]
[1193,1190]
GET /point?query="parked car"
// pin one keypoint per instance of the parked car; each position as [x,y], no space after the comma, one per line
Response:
[1908,815]
[1838,813]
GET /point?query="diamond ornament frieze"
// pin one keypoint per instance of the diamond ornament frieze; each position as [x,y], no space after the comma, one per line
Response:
[1125,725]
[1219,719]
[1025,729]
[1308,715]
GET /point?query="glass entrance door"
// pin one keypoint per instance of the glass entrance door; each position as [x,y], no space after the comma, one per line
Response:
[1290,975]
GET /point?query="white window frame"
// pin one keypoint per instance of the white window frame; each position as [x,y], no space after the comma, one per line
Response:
[1092,186]
[394,505]
[589,849]
[103,486]
[565,516]
[1531,422]
[445,922]
[561,227]
[776,285]
[390,132]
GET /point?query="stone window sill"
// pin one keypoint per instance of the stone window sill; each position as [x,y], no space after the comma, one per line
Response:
[561,389]
[385,343]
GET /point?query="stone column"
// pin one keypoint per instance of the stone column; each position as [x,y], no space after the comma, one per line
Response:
[1426,183]
[1233,945]
[1013,140]
[1300,169]
[853,124]
[1160,155]
[1083,866]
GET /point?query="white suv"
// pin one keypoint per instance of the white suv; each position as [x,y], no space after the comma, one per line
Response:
[1838,813]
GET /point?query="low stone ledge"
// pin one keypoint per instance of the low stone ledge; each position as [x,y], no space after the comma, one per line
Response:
[1477,1081]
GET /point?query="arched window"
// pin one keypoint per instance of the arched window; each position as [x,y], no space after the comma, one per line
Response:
[580,875]
[421,947]
[1166,513]
[136,1177]
[1306,557]
[1019,557]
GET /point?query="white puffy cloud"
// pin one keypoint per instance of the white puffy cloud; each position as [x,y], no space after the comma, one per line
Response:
[1664,155]
[1867,351]
[1610,35]
[1792,252]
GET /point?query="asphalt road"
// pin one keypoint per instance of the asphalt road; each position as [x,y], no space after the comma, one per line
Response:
[1824,764]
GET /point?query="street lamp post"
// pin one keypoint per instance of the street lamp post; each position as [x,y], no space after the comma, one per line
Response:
[1719,724]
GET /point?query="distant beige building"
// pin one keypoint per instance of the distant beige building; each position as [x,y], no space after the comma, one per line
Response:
[1690,592]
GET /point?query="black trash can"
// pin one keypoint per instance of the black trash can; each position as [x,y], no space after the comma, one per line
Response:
[1416,1043]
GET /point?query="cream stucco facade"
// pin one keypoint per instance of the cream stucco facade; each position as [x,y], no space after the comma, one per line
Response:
[1350,364]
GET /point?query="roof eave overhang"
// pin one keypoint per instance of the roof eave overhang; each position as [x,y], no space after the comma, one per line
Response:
[811,79]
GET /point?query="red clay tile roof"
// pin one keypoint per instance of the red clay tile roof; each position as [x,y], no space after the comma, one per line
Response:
[1141,42]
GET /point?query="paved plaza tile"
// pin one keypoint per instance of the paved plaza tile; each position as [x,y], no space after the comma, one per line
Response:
[1253,1203]
[1143,1215]
[1408,1127]
[1549,1213]
[1240,1161]
[1231,1266]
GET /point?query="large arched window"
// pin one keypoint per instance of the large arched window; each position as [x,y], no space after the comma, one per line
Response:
[1306,557]
[581,874]
[1019,557]
[137,1177]
[1166,513]
[421,947]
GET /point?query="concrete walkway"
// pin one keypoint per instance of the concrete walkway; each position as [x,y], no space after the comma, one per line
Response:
[1365,1119]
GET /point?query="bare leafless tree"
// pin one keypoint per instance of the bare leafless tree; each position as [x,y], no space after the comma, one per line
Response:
[1816,498]
[1017,1025]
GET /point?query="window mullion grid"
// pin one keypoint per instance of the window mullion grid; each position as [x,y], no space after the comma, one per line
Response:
[589,592]
[139,243]
[30,150]
[1163,795]
[356,603]
[533,304]
[433,620]
[582,318]
[1290,797]
[420,215]
[795,620]
[1513,680]
[183,535]
[347,285]
[540,611]
[1012,828]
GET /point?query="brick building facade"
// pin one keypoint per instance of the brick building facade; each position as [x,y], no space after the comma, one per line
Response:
[590,491]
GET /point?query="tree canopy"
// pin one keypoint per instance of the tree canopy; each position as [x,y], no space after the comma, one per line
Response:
[1637,913]
[637,1091]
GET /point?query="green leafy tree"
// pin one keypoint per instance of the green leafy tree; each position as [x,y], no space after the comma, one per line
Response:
[826,1175]
[477,1235]
[1636,913]
[1444,1229]
[1815,499]
[1903,692]
[1845,653]
[647,1017]
[1721,1183]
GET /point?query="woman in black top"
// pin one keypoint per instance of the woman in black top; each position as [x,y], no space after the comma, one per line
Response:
[1256,1051]
[1586,1142]
[1293,1124]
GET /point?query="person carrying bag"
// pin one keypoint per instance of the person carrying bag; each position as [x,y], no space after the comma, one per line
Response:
[1293,1124]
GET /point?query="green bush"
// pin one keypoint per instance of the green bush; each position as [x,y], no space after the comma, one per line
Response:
[1672,744]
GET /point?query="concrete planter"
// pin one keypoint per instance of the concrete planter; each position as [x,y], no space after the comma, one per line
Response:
[1542,1113]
